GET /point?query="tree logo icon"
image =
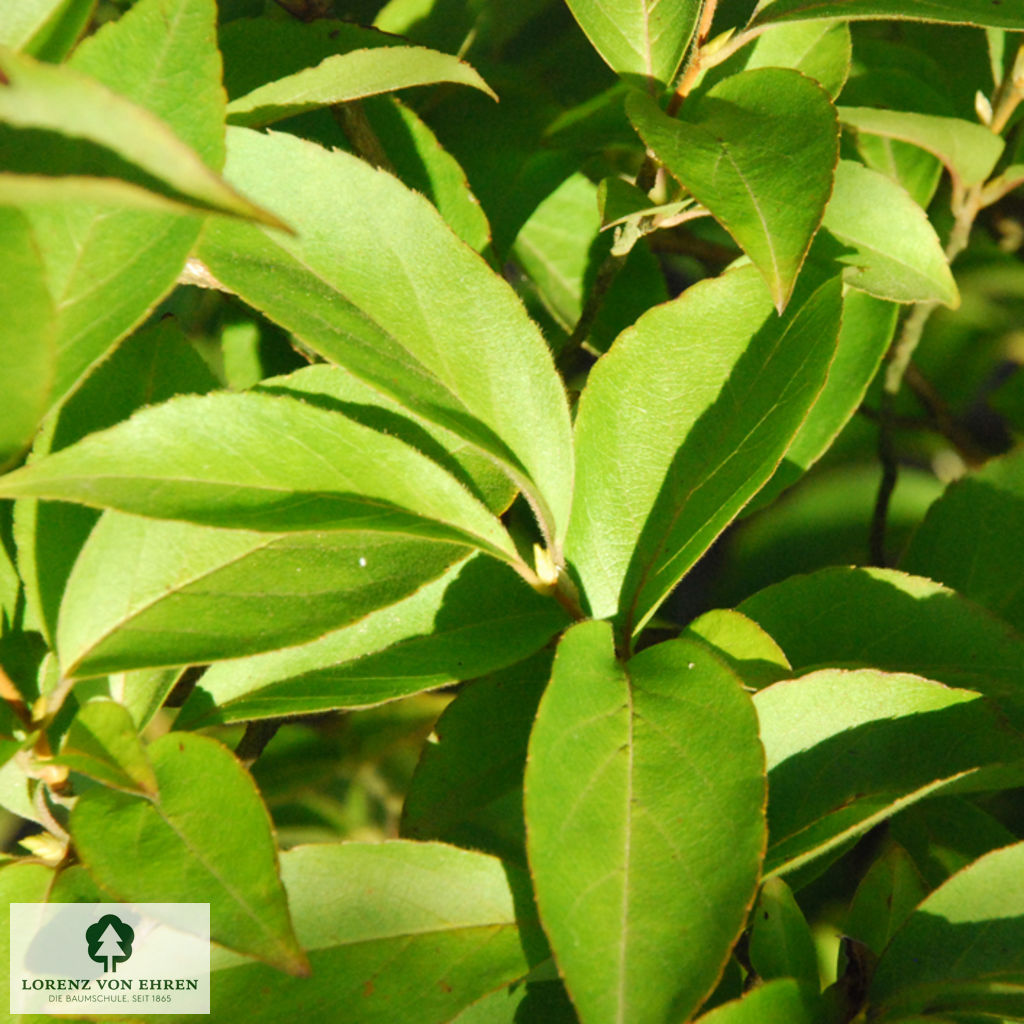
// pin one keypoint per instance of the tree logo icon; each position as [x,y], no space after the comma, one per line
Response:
[110,942]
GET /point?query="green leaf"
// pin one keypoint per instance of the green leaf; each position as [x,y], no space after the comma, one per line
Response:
[270,462]
[644,803]
[962,949]
[25,19]
[560,247]
[28,354]
[20,882]
[145,593]
[962,541]
[886,895]
[777,1002]
[726,385]
[418,315]
[468,790]
[873,742]
[335,388]
[640,40]
[759,151]
[351,76]
[143,692]
[102,742]
[59,99]
[399,930]
[205,838]
[819,49]
[476,618]
[105,270]
[896,253]
[426,167]
[941,635]
[968,150]
[150,366]
[952,12]
[525,1000]
[742,644]
[781,944]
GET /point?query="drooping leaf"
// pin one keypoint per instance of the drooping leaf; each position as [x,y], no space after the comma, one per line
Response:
[759,151]
[351,76]
[940,634]
[476,618]
[266,461]
[150,366]
[780,944]
[744,646]
[726,384]
[642,906]
[394,930]
[468,790]
[162,56]
[417,315]
[962,949]
[146,593]
[103,743]
[962,541]
[952,12]
[182,847]
[641,40]
[896,252]
[887,894]
[28,354]
[61,100]
[873,742]
[777,1002]
[968,150]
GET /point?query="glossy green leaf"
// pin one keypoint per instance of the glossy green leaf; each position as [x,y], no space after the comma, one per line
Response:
[759,151]
[962,541]
[61,100]
[103,743]
[334,387]
[394,931]
[205,838]
[962,949]
[968,150]
[941,635]
[886,895]
[161,56]
[642,905]
[780,943]
[896,252]
[145,593]
[417,315]
[150,366]
[953,12]
[873,742]
[726,385]
[744,646]
[267,461]
[777,1002]
[351,76]
[640,40]
[468,790]
[28,354]
[476,618]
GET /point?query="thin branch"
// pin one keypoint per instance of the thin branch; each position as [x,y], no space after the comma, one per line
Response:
[255,739]
[606,274]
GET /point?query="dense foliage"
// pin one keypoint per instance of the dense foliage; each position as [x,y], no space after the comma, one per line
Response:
[544,546]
